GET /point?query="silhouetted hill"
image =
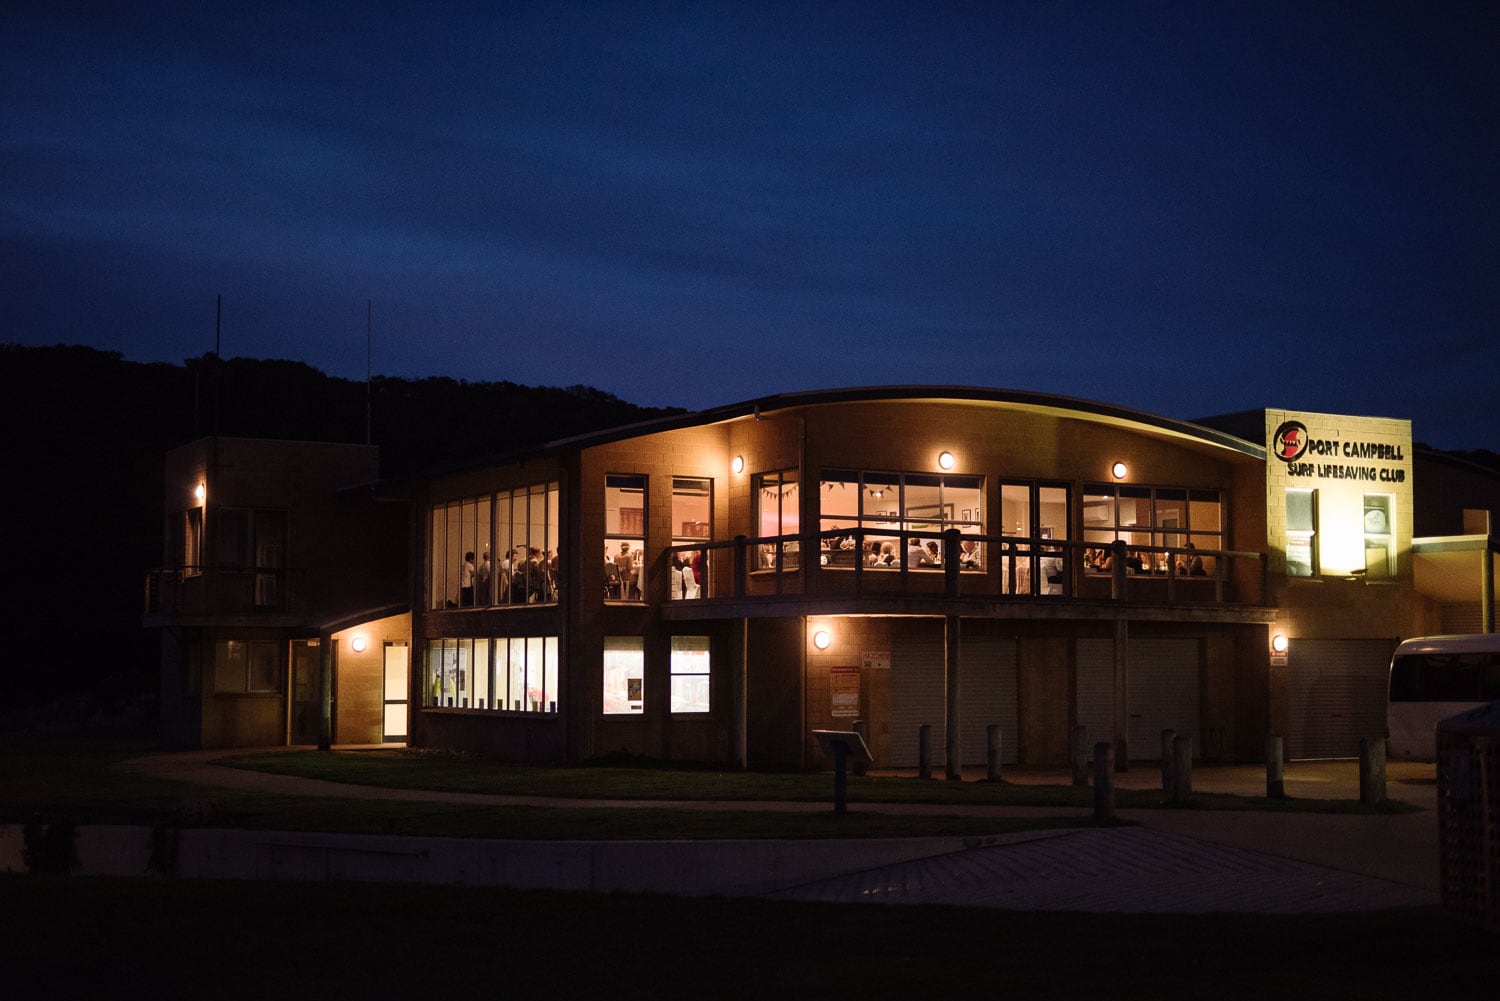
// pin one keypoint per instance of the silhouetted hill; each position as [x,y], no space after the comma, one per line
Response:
[85,436]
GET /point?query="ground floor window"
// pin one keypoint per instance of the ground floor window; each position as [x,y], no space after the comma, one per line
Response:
[690,674]
[242,666]
[624,675]
[500,674]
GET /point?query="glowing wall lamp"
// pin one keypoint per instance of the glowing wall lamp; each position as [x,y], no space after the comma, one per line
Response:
[822,639]
[359,643]
[945,460]
[1118,470]
[737,464]
[200,492]
[1279,643]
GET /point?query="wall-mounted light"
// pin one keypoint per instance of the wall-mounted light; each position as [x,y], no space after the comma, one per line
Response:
[1118,470]
[945,460]
[200,492]
[737,464]
[359,643]
[822,639]
[1279,643]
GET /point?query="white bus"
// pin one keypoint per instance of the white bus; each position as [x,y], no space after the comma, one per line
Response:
[1432,678]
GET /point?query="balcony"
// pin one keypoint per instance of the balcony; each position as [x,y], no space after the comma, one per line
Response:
[181,592]
[980,574]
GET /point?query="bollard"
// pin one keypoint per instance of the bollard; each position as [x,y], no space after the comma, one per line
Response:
[1275,785]
[992,747]
[1371,770]
[1104,781]
[863,729]
[1166,759]
[1080,756]
[924,751]
[1182,770]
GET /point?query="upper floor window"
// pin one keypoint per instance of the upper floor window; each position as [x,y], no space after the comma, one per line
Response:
[625,537]
[1380,558]
[776,514]
[1037,513]
[254,541]
[692,522]
[495,549]
[1302,533]
[902,516]
[1165,529]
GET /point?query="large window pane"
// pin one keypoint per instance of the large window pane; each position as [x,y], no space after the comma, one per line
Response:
[690,674]
[624,675]
[625,534]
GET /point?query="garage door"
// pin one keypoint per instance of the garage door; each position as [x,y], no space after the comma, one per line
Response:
[1162,682]
[1094,708]
[919,695]
[1337,694]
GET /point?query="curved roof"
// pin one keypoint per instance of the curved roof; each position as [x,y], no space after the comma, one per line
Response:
[1062,406]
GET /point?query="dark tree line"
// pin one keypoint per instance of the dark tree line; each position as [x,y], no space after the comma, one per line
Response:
[85,436]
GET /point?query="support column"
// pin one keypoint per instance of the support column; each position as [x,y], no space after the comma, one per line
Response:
[325,691]
[1122,688]
[953,768]
[1487,590]
[739,702]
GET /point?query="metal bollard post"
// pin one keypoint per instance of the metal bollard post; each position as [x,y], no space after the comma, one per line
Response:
[1182,769]
[1371,770]
[863,729]
[1080,756]
[1104,781]
[992,748]
[1166,759]
[924,751]
[1275,784]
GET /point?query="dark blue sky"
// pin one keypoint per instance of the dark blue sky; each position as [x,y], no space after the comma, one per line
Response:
[1189,209]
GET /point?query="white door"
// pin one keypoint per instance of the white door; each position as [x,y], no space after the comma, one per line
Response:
[397,687]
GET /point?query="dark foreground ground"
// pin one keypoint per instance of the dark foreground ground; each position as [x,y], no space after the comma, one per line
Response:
[70,937]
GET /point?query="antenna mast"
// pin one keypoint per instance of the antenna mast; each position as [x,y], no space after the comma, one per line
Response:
[369,325]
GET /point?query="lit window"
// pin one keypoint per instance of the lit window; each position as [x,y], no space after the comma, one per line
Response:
[690,674]
[624,675]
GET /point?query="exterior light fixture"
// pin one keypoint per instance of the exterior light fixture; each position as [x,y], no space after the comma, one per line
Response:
[737,464]
[945,460]
[822,639]
[200,492]
[1279,643]
[1119,470]
[359,643]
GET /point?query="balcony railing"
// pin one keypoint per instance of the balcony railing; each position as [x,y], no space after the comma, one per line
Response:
[219,591]
[971,566]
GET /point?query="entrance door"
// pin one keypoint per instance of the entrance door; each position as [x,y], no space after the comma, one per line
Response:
[305,694]
[397,687]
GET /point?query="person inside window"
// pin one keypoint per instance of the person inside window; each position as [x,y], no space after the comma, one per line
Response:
[968,555]
[1190,563]
[466,580]
[931,556]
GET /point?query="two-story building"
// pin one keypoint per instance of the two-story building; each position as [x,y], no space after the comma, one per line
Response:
[714,586]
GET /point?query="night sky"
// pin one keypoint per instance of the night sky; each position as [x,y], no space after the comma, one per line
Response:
[1190,209]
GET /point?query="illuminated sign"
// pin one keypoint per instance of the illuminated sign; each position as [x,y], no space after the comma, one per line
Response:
[1291,444]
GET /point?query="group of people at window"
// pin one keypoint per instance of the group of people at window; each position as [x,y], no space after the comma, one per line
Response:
[882,552]
[1104,560]
[625,573]
[526,577]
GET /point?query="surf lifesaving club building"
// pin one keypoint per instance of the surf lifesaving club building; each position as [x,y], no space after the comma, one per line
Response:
[715,586]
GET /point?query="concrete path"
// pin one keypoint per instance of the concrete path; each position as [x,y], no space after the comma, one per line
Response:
[1191,861]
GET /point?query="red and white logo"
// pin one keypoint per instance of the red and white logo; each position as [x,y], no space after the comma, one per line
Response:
[1290,441]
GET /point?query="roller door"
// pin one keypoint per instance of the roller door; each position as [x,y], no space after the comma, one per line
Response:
[919,695]
[1162,686]
[1094,699]
[1337,694]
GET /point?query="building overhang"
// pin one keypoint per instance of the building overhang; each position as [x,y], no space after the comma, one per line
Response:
[1449,569]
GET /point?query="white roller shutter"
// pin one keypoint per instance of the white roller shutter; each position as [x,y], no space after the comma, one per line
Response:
[1094,708]
[1162,687]
[1337,695]
[918,694]
[987,686]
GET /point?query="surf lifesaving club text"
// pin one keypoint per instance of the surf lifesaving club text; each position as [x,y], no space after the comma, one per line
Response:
[1292,444]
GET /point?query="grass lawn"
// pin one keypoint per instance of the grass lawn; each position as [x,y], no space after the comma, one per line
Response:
[63,937]
[78,777]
